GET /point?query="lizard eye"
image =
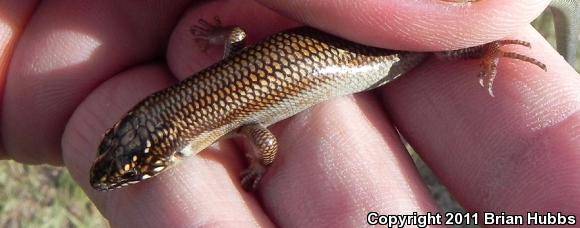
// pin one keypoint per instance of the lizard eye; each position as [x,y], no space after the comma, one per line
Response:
[130,175]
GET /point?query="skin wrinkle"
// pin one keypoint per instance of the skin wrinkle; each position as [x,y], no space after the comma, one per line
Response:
[80,48]
[550,179]
[369,140]
[177,208]
[545,110]
[239,203]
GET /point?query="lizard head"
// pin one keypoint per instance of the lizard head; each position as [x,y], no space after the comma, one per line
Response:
[127,154]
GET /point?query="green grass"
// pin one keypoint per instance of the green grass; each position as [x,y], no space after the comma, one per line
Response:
[44,196]
[545,25]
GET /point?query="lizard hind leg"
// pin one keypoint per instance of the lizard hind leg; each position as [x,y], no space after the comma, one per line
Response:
[262,151]
[490,54]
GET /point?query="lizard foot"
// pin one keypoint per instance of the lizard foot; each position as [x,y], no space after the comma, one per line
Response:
[251,177]
[206,33]
[490,54]
[261,152]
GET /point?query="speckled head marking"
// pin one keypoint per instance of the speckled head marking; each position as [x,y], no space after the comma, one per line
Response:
[130,153]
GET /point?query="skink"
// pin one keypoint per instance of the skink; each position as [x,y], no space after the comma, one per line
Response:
[250,89]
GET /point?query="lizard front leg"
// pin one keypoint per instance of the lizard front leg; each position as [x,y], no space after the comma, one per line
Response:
[232,37]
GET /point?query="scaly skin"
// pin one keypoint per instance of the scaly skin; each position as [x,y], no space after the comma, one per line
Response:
[253,88]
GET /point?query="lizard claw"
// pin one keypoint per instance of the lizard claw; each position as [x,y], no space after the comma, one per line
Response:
[491,53]
[252,176]
[206,33]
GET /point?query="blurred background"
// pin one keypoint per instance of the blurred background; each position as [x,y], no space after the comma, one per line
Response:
[45,196]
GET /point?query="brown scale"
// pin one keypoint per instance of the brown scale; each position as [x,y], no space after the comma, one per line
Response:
[247,91]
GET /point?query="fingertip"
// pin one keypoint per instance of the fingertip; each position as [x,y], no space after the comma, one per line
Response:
[414,25]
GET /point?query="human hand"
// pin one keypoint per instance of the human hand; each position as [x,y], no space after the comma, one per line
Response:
[338,160]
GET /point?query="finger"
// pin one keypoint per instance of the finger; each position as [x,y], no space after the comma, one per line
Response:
[516,152]
[185,56]
[14,15]
[413,25]
[337,162]
[197,191]
[68,48]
